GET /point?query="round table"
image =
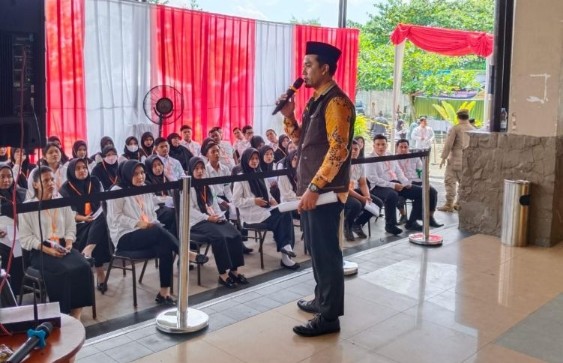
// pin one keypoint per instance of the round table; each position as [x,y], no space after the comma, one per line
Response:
[62,344]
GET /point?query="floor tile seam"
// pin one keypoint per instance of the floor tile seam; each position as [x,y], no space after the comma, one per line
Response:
[210,303]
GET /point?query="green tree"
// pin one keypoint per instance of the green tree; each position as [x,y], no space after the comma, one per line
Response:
[422,71]
[314,21]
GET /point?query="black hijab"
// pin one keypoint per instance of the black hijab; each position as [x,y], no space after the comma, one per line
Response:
[180,153]
[132,155]
[75,187]
[6,195]
[127,170]
[152,178]
[77,144]
[256,141]
[104,142]
[4,158]
[25,169]
[147,150]
[263,165]
[292,176]
[281,152]
[204,195]
[106,173]
[257,186]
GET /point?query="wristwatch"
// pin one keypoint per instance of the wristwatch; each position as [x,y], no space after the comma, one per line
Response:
[312,187]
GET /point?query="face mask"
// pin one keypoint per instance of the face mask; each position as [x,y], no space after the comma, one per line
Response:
[132,148]
[112,159]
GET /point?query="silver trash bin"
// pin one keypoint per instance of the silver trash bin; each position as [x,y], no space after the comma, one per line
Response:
[516,201]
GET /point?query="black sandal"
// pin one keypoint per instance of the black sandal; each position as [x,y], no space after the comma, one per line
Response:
[200,259]
[239,279]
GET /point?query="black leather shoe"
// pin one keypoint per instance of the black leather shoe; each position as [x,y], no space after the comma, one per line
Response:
[413,226]
[228,283]
[434,223]
[239,279]
[308,306]
[168,300]
[317,326]
[348,235]
[393,229]
[102,287]
[288,253]
[357,229]
[200,259]
[247,251]
[294,267]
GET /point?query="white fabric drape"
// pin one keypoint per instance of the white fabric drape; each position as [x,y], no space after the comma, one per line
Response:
[117,56]
[397,79]
[274,66]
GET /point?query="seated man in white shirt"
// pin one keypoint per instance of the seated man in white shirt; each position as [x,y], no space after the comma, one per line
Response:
[412,169]
[272,139]
[226,151]
[188,142]
[388,183]
[172,168]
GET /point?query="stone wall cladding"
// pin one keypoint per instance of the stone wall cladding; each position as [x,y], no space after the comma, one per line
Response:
[492,157]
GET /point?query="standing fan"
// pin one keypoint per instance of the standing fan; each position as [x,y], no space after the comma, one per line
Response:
[163,105]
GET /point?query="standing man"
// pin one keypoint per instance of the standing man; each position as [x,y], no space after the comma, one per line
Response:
[423,135]
[324,142]
[456,141]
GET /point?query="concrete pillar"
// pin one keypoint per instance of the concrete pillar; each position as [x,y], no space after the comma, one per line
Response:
[532,149]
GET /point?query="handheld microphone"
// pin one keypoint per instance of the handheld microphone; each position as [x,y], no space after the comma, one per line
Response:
[36,337]
[290,91]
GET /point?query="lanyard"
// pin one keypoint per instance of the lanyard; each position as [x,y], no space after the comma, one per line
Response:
[113,180]
[209,208]
[390,172]
[53,216]
[87,206]
[141,204]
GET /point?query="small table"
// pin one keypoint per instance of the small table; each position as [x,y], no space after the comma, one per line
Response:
[62,344]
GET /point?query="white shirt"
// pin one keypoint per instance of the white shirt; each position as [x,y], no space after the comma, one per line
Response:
[423,137]
[244,200]
[356,172]
[124,213]
[241,145]
[381,173]
[286,189]
[55,223]
[220,189]
[193,146]
[196,215]
[172,168]
[409,168]
[226,152]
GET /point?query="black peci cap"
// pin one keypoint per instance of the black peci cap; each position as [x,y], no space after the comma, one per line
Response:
[327,51]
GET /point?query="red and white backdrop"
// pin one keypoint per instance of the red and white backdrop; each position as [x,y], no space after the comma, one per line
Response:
[104,55]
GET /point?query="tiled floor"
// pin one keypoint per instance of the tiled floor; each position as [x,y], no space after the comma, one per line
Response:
[471,300]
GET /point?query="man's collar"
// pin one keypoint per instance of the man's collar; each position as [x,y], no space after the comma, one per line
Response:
[324,89]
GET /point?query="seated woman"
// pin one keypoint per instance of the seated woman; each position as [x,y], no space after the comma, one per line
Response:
[147,144]
[206,219]
[80,151]
[52,155]
[66,272]
[7,185]
[21,166]
[267,164]
[253,201]
[106,169]
[281,152]
[165,213]
[131,150]
[91,232]
[134,226]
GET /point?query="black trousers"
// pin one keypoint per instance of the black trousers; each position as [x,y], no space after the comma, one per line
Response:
[281,225]
[226,244]
[154,237]
[321,231]
[95,232]
[167,216]
[352,210]
[390,199]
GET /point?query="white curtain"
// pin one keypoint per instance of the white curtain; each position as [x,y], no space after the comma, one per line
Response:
[117,55]
[274,67]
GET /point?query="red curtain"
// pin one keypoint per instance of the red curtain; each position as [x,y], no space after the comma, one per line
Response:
[344,39]
[66,112]
[445,41]
[209,58]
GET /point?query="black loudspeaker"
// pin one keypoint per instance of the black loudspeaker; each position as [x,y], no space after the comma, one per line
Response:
[22,73]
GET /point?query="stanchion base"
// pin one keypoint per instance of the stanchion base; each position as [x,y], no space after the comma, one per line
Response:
[350,268]
[433,240]
[167,321]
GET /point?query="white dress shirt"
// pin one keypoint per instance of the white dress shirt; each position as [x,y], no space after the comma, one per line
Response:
[244,200]
[223,190]
[172,168]
[409,168]
[423,137]
[193,146]
[381,173]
